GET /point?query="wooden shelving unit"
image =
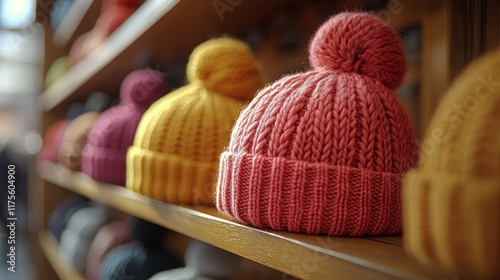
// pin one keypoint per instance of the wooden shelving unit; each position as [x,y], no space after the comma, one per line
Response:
[300,255]
[156,28]
[168,30]
[80,18]
[51,250]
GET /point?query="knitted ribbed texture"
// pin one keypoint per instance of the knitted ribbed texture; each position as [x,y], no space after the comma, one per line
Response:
[177,145]
[452,200]
[104,155]
[325,151]
[74,139]
[52,141]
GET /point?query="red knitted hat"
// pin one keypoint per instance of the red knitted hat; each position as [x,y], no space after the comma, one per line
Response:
[325,151]
[52,141]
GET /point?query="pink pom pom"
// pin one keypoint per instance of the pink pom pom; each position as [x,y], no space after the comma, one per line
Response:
[143,87]
[360,43]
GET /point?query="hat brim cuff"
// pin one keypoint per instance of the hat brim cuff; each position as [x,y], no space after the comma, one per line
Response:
[452,220]
[169,178]
[313,198]
[104,164]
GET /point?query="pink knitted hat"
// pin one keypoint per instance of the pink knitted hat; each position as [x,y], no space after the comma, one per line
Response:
[104,155]
[325,151]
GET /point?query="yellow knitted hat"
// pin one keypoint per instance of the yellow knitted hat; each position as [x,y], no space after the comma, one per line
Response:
[178,141]
[452,200]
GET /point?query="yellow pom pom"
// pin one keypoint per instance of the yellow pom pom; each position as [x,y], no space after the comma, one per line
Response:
[226,66]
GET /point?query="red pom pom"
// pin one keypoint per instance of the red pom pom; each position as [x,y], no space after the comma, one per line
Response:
[360,43]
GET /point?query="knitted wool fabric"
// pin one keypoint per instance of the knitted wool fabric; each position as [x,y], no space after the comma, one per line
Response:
[74,139]
[104,155]
[325,151]
[54,135]
[177,145]
[97,102]
[452,200]
[59,218]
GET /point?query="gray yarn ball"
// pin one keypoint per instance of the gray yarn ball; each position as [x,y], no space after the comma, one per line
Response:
[79,233]
[134,261]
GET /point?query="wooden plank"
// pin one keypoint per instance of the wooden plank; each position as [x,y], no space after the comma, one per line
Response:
[393,240]
[435,66]
[51,250]
[300,255]
[402,14]
[168,29]
[81,13]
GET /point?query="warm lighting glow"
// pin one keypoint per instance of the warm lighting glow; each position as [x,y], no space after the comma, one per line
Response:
[32,142]
[16,14]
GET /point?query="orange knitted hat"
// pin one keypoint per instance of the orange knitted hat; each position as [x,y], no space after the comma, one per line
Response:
[325,151]
[177,145]
[452,200]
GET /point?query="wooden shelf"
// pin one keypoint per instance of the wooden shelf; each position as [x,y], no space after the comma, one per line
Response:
[80,18]
[167,29]
[50,248]
[303,256]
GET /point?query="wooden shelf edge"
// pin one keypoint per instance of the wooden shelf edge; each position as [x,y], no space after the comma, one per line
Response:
[51,250]
[379,258]
[138,23]
[71,21]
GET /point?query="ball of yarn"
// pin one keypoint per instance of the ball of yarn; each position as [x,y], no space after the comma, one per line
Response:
[147,233]
[134,261]
[56,71]
[74,111]
[97,102]
[204,262]
[225,66]
[185,273]
[58,220]
[109,237]
[142,87]
[75,250]
[359,43]
[77,237]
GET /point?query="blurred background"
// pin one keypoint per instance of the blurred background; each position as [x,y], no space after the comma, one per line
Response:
[441,37]
[21,64]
